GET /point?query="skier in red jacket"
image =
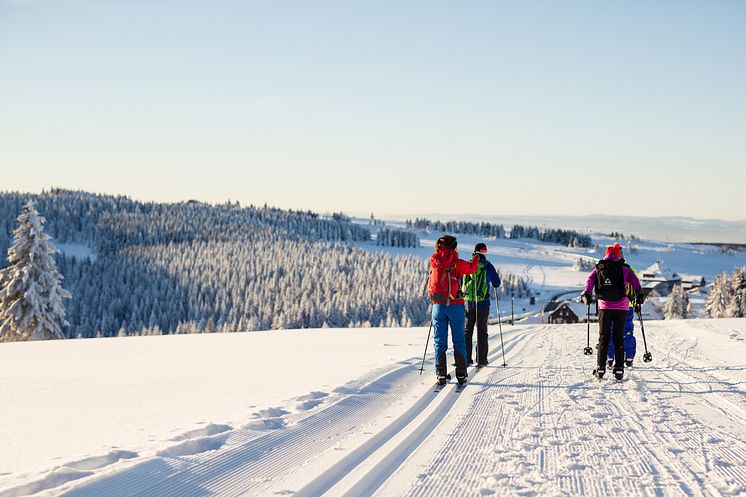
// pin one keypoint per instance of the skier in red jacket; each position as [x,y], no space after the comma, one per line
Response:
[444,286]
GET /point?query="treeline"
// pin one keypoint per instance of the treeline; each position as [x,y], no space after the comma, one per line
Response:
[570,238]
[194,267]
[388,237]
[458,227]
[107,223]
[727,297]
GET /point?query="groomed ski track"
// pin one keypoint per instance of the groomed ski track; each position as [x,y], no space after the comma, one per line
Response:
[540,426]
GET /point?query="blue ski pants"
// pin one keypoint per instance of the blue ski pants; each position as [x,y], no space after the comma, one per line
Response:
[443,316]
[630,342]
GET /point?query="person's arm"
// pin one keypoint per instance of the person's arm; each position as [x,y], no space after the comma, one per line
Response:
[493,276]
[590,283]
[466,267]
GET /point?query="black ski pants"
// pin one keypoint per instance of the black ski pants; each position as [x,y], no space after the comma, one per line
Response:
[611,328]
[480,318]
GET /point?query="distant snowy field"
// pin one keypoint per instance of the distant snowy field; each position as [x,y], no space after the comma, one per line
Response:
[345,412]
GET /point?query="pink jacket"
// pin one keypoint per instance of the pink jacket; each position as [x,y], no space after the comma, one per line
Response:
[630,278]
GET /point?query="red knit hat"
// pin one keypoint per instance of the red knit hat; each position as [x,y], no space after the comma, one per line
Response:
[615,250]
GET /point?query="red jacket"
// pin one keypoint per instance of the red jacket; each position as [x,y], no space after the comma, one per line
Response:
[440,261]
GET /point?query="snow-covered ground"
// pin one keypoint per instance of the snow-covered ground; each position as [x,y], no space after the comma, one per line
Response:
[345,412]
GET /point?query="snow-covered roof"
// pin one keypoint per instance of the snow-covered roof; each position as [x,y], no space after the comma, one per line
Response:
[692,278]
[658,272]
[579,308]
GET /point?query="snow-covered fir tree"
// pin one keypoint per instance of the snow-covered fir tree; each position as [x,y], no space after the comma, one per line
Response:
[31,293]
[584,264]
[678,306]
[737,302]
[718,300]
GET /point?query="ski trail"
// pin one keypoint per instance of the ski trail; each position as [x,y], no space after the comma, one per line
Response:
[552,430]
[363,471]
[250,460]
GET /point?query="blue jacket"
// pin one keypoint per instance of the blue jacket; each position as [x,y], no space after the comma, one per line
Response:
[492,279]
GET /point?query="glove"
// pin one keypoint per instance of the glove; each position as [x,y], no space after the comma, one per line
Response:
[639,297]
[586,298]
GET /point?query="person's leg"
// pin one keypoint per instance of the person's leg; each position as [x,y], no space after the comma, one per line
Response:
[456,318]
[470,322]
[618,319]
[611,353]
[440,338]
[482,345]
[604,336]
[630,342]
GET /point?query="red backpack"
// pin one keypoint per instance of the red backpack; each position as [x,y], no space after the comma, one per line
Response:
[443,285]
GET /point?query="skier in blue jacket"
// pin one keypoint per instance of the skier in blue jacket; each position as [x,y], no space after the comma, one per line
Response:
[477,296]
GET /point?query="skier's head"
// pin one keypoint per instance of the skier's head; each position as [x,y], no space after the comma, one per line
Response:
[480,249]
[446,242]
[614,251]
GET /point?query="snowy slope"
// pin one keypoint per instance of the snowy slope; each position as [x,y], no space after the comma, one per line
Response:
[366,423]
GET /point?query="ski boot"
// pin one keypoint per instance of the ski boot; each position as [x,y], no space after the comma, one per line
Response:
[628,362]
[443,379]
[461,379]
[618,374]
[610,362]
[599,373]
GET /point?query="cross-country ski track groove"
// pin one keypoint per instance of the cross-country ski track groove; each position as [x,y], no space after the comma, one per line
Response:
[541,426]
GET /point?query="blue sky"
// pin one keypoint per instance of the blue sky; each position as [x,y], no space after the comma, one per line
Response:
[520,108]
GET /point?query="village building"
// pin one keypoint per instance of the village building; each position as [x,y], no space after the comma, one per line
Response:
[659,278]
[566,312]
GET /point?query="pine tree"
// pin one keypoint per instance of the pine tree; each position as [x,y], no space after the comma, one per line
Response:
[717,301]
[31,294]
[677,306]
[736,307]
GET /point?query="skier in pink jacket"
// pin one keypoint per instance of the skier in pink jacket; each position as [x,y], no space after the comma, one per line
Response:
[610,279]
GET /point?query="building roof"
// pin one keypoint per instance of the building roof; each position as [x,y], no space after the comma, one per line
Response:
[692,278]
[658,272]
[579,308]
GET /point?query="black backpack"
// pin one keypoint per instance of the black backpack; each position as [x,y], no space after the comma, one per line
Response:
[610,280]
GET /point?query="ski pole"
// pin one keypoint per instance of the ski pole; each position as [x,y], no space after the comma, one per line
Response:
[588,350]
[648,356]
[500,326]
[476,315]
[427,342]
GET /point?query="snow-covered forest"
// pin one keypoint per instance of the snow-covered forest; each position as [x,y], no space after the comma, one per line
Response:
[461,227]
[568,238]
[388,237]
[192,267]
